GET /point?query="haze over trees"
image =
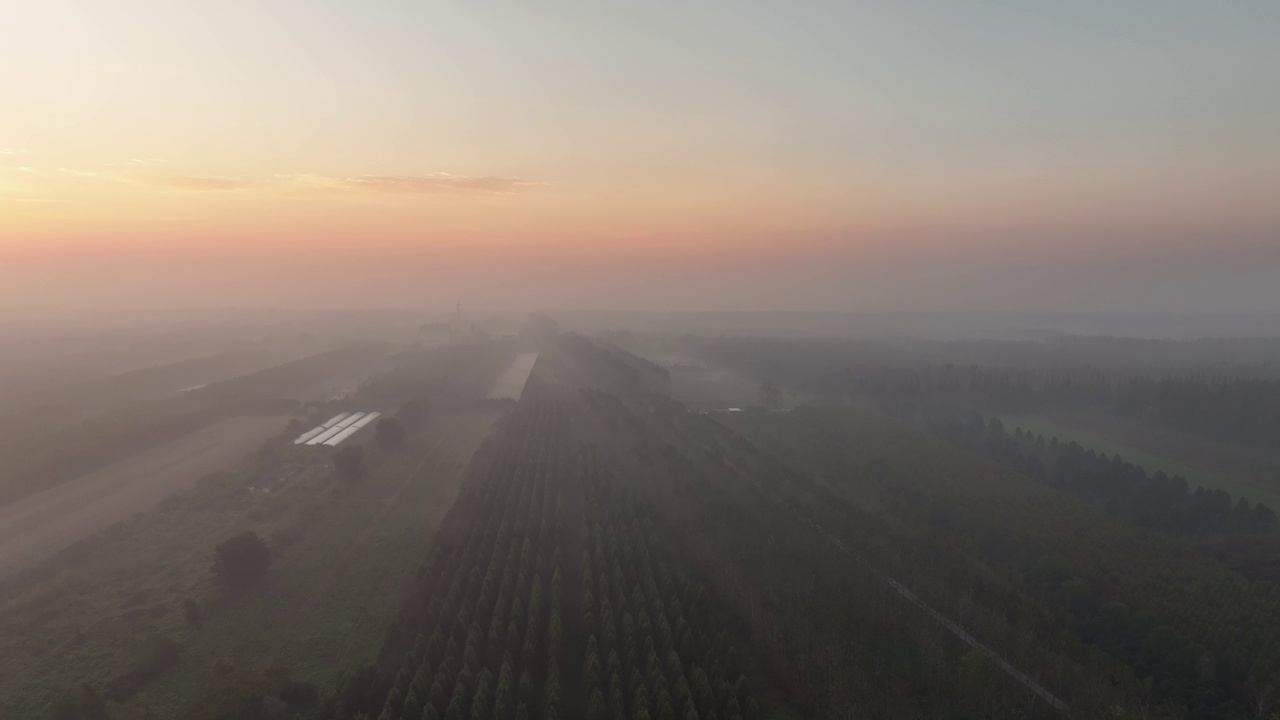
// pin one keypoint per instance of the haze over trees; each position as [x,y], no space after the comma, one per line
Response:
[640,361]
[413,413]
[389,433]
[349,460]
[241,561]
[878,528]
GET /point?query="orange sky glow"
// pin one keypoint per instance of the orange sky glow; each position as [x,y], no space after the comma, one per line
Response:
[170,148]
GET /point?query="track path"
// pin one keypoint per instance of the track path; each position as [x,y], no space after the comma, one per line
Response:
[965,636]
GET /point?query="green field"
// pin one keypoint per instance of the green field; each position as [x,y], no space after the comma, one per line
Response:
[1195,460]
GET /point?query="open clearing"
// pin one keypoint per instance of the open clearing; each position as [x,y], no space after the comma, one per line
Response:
[511,385]
[40,525]
[343,554]
[702,384]
[340,568]
[1199,461]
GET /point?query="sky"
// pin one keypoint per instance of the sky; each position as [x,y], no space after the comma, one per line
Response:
[932,155]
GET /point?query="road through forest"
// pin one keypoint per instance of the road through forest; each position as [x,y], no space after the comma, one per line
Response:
[955,629]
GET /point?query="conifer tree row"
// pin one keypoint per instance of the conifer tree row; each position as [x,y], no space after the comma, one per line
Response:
[490,639]
[651,652]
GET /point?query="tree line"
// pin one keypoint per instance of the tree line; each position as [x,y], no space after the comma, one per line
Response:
[1234,408]
[1125,490]
[1180,386]
[657,635]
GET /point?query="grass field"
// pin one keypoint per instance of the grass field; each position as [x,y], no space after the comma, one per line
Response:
[56,444]
[342,553]
[40,525]
[331,593]
[1201,462]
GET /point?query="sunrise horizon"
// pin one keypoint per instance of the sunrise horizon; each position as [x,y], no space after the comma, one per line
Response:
[600,156]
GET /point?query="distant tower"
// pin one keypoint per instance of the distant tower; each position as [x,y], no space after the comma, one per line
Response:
[457,318]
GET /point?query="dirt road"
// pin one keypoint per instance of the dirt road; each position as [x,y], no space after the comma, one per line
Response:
[1008,668]
[511,385]
[38,526]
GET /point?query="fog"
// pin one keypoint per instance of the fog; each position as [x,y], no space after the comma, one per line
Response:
[1226,278]
[639,361]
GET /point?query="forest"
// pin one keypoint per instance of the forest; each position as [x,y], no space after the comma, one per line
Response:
[1159,590]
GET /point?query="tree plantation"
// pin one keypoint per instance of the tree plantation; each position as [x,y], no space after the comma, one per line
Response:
[506,626]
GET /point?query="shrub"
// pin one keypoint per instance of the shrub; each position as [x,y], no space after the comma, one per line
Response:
[195,616]
[241,560]
[157,654]
[349,461]
[389,433]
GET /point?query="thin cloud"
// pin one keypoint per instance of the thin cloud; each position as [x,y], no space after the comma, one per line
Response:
[201,182]
[93,174]
[30,200]
[433,184]
[13,151]
[182,182]
[408,185]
